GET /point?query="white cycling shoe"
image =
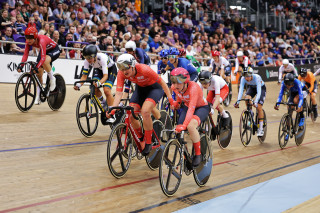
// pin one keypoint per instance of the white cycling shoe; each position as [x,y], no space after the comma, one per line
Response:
[37,101]
[260,133]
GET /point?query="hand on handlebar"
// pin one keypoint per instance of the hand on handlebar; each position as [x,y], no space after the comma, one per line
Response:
[236,105]
[20,67]
[110,112]
[180,128]
[77,86]
[97,84]
[276,107]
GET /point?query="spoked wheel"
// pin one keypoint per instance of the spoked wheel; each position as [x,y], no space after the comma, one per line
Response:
[300,130]
[119,150]
[262,138]
[202,172]
[227,101]
[25,92]
[171,167]
[57,96]
[205,127]
[284,132]
[246,127]
[87,115]
[153,158]
[225,133]
[169,111]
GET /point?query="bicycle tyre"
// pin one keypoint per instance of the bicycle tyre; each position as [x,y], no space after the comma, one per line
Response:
[201,173]
[116,150]
[224,136]
[82,111]
[28,84]
[171,167]
[284,130]
[246,127]
[299,132]
[57,96]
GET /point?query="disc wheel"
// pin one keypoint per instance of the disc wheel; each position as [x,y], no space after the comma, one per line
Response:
[25,92]
[57,96]
[87,115]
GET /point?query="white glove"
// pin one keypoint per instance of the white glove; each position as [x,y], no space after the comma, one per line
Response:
[78,85]
[256,105]
[98,84]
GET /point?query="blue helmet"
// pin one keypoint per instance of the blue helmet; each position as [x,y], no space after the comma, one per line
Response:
[173,51]
[164,53]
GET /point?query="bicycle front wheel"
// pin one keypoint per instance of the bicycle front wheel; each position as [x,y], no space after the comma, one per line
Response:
[25,92]
[246,127]
[284,130]
[119,150]
[299,130]
[171,167]
[87,115]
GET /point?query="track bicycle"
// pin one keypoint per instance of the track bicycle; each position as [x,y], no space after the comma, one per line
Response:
[289,128]
[228,99]
[248,126]
[25,91]
[222,133]
[309,109]
[176,159]
[123,140]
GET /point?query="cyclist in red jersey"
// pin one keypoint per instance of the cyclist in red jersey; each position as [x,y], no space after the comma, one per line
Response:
[149,90]
[49,52]
[195,109]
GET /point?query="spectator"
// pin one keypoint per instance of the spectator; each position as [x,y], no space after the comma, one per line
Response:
[7,47]
[31,22]
[4,20]
[150,19]
[155,45]
[178,20]
[188,21]
[45,30]
[19,26]
[59,14]
[113,16]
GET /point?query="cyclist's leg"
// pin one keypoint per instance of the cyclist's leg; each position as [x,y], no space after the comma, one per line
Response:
[107,87]
[223,95]
[313,97]
[260,108]
[51,56]
[296,101]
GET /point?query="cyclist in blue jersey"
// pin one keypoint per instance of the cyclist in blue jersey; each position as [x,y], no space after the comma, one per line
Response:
[162,64]
[296,94]
[175,62]
[256,87]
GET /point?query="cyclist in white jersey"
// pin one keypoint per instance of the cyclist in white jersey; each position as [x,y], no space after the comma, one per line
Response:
[104,70]
[242,62]
[285,68]
[220,66]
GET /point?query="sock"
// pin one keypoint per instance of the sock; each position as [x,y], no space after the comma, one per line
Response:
[197,148]
[261,124]
[50,74]
[148,136]
[224,114]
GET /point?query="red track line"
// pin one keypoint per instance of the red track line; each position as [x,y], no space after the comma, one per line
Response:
[131,183]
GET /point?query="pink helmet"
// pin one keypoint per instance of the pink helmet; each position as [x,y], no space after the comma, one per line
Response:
[179,75]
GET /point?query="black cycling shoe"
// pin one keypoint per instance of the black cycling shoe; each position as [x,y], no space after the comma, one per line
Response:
[146,149]
[196,160]
[315,112]
[225,122]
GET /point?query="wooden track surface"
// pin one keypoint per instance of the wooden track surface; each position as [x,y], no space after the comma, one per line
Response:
[47,165]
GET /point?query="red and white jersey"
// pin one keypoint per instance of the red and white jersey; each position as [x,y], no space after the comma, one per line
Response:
[222,63]
[145,76]
[44,43]
[192,98]
[244,62]
[216,84]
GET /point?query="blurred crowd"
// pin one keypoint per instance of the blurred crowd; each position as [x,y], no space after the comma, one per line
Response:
[199,26]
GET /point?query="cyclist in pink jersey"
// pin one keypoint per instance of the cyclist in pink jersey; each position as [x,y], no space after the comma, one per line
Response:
[49,52]
[149,90]
[194,110]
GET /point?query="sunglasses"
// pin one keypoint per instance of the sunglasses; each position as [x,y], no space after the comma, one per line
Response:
[129,50]
[204,81]
[247,74]
[289,83]
[303,75]
[172,56]
[178,79]
[164,58]
[88,57]
[29,36]
[123,67]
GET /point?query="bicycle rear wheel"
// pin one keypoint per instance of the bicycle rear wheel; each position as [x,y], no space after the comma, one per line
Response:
[227,101]
[246,127]
[119,150]
[202,172]
[171,167]
[153,158]
[57,96]
[284,130]
[225,134]
[87,115]
[262,138]
[25,92]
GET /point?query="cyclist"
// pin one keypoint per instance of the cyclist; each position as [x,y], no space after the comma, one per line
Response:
[242,62]
[49,52]
[311,84]
[175,62]
[296,95]
[220,66]
[162,64]
[105,71]
[285,68]
[149,90]
[193,60]
[218,91]
[256,87]
[194,111]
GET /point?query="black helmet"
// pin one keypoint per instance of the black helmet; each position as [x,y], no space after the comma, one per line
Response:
[90,51]
[205,76]
[289,79]
[303,72]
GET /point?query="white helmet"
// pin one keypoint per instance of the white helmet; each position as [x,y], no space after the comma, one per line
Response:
[131,45]
[126,60]
[239,53]
[285,61]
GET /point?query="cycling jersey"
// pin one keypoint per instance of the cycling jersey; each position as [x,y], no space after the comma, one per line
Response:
[186,64]
[161,66]
[310,81]
[289,68]
[103,62]
[194,62]
[44,43]
[255,82]
[216,84]
[244,63]
[192,98]
[296,89]
[144,76]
